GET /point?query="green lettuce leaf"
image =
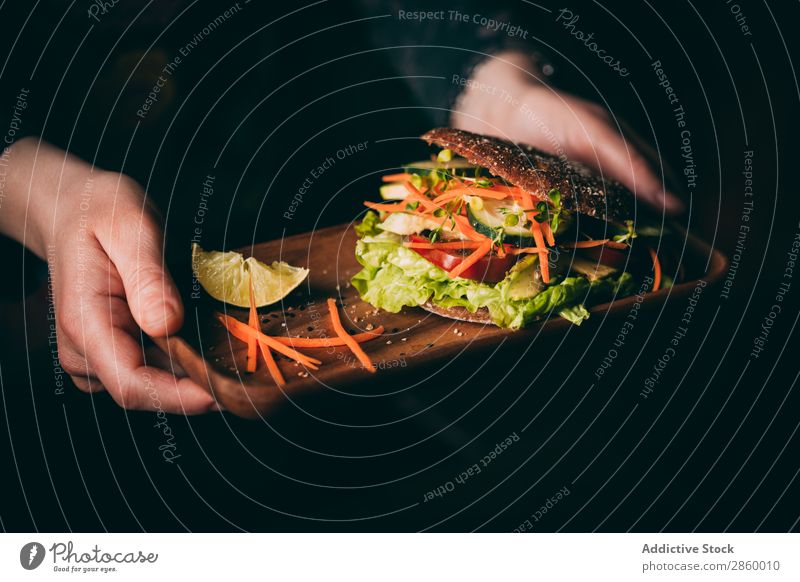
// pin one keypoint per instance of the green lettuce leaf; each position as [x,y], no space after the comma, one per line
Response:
[394,276]
[368,225]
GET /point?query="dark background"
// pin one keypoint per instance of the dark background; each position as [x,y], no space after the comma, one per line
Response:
[713,448]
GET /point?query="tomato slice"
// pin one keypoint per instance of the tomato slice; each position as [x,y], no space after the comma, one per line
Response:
[490,269]
[634,259]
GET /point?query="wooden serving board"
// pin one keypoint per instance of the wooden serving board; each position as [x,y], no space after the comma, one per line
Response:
[412,338]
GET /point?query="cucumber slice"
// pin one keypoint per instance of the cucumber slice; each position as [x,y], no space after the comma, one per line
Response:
[487,216]
[394,191]
[406,223]
[590,269]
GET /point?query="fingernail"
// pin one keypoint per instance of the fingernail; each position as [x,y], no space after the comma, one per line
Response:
[158,314]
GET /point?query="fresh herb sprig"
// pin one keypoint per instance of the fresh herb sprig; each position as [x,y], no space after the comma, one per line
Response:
[628,236]
[555,212]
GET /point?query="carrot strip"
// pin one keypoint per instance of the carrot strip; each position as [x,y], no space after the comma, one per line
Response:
[252,345]
[462,224]
[656,269]
[481,192]
[347,338]
[243,331]
[584,244]
[476,256]
[444,245]
[536,229]
[396,177]
[527,199]
[548,234]
[329,342]
[272,365]
[386,207]
[465,228]
[427,204]
[529,250]
[512,190]
[587,244]
[544,265]
[414,194]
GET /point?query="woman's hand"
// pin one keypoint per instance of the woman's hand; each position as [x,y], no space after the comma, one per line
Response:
[109,283]
[502,100]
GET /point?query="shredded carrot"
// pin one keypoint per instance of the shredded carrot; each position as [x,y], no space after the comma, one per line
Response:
[536,230]
[548,234]
[529,250]
[527,201]
[465,228]
[243,331]
[473,258]
[347,338]
[515,191]
[272,365]
[401,207]
[444,245]
[544,265]
[481,192]
[656,270]
[329,342]
[252,344]
[584,244]
[414,194]
[411,188]
[396,177]
[587,244]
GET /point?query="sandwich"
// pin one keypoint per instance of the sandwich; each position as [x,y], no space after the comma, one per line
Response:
[493,232]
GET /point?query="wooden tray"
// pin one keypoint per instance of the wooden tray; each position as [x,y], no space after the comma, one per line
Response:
[413,337]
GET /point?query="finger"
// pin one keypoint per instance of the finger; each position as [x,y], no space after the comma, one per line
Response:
[118,359]
[87,384]
[613,156]
[134,243]
[70,359]
[156,357]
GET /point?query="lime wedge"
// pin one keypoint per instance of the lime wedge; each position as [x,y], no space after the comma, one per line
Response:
[226,277]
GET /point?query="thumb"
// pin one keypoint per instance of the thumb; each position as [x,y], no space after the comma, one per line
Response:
[134,243]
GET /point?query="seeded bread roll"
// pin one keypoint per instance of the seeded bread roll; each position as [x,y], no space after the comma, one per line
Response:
[537,172]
